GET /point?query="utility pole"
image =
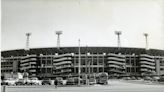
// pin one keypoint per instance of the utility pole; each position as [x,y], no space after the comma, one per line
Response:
[27,41]
[58,38]
[146,38]
[79,64]
[118,33]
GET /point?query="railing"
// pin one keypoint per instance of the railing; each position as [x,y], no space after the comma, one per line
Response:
[89,66]
[91,55]
[46,66]
[33,67]
[28,67]
[11,58]
[147,59]
[146,55]
[116,66]
[116,71]
[62,59]
[32,70]
[144,70]
[29,59]
[62,55]
[6,68]
[24,64]
[115,58]
[147,66]
[65,66]
[62,62]
[63,71]
[147,62]
[115,62]
[28,63]
[69,70]
[116,55]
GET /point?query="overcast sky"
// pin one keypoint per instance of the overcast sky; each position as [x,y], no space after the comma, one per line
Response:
[93,21]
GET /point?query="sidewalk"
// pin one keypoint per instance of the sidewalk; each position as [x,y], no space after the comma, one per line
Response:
[143,82]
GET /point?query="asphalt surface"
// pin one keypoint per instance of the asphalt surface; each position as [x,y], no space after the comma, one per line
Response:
[113,86]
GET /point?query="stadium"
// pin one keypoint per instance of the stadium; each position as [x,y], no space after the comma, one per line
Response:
[64,61]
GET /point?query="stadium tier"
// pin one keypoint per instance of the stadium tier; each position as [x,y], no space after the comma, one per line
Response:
[52,62]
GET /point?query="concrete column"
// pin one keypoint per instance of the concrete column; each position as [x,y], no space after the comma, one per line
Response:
[158,67]
[103,64]
[97,63]
[4,89]
[92,63]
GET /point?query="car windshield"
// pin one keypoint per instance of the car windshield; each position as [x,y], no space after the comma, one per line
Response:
[33,78]
[21,79]
[46,79]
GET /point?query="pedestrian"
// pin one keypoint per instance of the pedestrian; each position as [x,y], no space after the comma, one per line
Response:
[56,83]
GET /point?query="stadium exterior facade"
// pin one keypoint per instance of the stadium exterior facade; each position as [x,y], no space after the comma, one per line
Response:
[52,62]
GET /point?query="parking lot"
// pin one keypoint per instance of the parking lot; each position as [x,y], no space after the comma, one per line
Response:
[113,86]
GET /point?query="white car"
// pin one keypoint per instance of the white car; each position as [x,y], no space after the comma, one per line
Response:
[9,81]
[24,81]
[35,81]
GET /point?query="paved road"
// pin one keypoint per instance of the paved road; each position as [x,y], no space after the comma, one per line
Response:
[114,86]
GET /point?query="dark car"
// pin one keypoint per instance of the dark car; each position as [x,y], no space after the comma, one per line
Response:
[76,80]
[160,80]
[102,78]
[59,80]
[46,82]
[70,81]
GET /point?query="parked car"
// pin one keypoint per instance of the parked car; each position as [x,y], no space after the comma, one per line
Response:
[70,81]
[9,81]
[139,78]
[155,78]
[92,81]
[3,82]
[24,81]
[76,80]
[84,79]
[102,78]
[133,78]
[161,79]
[20,82]
[148,78]
[46,82]
[60,80]
[35,81]
[126,78]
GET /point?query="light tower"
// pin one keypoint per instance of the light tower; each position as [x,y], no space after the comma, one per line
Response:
[118,33]
[58,39]
[79,70]
[27,41]
[146,36]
